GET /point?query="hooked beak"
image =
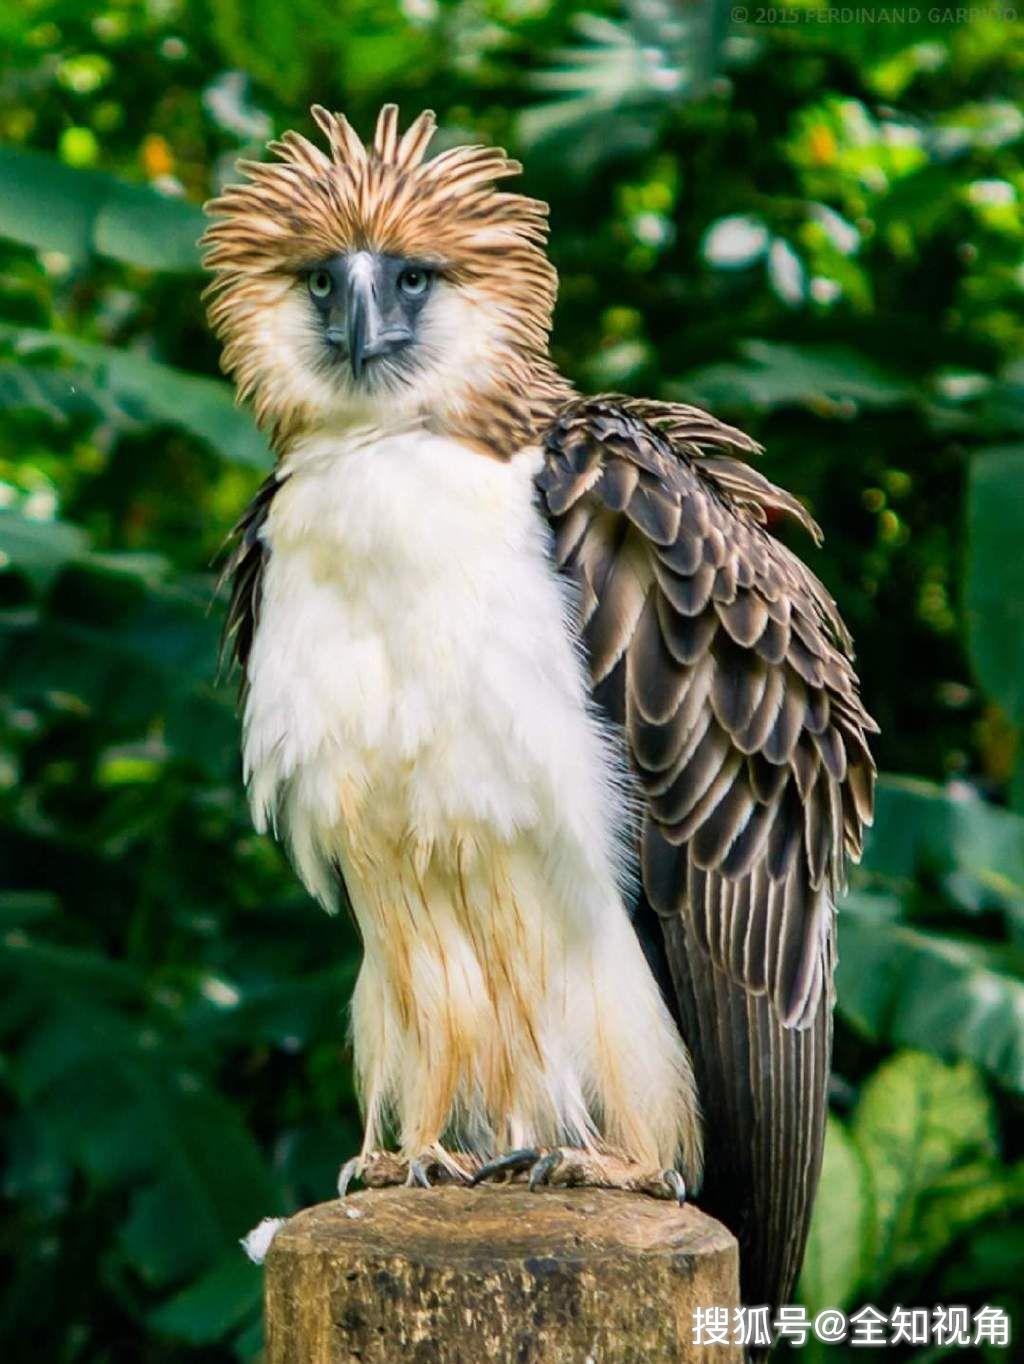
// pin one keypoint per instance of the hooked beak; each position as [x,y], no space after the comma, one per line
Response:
[367,333]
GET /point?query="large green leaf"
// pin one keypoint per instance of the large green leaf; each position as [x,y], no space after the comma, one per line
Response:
[211,1184]
[994,588]
[775,375]
[966,1197]
[81,213]
[840,1228]
[988,1261]
[899,985]
[157,647]
[142,390]
[39,549]
[101,1071]
[920,200]
[224,1298]
[922,828]
[57,394]
[19,908]
[48,968]
[118,635]
[918,1123]
[289,1013]
[274,43]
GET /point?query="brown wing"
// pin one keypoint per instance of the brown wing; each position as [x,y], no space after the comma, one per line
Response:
[243,570]
[725,662]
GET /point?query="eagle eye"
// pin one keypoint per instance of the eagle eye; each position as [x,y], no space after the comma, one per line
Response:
[320,283]
[414,281]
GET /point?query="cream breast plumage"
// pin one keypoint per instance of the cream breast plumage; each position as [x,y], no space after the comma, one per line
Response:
[528,681]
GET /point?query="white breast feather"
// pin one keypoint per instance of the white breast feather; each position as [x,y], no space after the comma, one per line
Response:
[417,717]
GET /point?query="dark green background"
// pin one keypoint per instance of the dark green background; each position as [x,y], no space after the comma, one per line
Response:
[814,226]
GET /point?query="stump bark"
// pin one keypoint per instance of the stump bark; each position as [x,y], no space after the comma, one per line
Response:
[462,1276]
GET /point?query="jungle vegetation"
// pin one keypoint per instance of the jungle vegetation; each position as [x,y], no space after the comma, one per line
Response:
[814,227]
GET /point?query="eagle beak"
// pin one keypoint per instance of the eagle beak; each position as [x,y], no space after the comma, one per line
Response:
[369,333]
[364,321]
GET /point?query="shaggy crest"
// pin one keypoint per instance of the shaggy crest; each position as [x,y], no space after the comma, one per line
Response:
[386,197]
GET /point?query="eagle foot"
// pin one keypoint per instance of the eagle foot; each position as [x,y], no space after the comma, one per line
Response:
[379,1169]
[573,1167]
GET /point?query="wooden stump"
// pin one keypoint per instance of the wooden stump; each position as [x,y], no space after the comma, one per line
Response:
[464,1276]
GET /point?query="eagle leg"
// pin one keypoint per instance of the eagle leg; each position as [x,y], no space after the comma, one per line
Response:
[379,1169]
[572,1167]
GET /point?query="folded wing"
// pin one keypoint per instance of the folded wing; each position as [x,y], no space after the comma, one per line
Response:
[727,667]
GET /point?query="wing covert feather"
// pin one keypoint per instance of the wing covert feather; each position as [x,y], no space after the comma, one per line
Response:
[243,570]
[728,666]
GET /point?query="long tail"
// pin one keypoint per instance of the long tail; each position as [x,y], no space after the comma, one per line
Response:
[763,1090]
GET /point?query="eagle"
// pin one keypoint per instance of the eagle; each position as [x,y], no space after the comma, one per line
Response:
[530,684]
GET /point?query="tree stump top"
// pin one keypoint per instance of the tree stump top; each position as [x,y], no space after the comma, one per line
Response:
[455,1276]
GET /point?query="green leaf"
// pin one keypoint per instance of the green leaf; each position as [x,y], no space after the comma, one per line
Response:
[165,627]
[142,390]
[224,1298]
[39,549]
[21,907]
[899,985]
[988,1260]
[37,1168]
[50,967]
[994,590]
[774,375]
[248,1346]
[917,1123]
[965,1198]
[292,1012]
[613,86]
[58,394]
[81,213]
[273,43]
[921,200]
[79,1072]
[220,1302]
[101,1076]
[840,1228]
[120,634]
[919,827]
[211,1183]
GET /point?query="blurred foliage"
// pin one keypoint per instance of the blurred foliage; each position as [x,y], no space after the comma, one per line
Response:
[815,226]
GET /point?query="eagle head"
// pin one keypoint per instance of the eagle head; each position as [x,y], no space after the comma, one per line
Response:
[367,282]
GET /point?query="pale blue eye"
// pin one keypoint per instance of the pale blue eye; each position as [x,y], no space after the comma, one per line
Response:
[320,283]
[413,282]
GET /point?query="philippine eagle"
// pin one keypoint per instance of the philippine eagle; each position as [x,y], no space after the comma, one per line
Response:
[528,681]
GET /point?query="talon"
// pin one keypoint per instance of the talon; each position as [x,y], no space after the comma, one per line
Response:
[515,1161]
[418,1175]
[676,1185]
[543,1169]
[346,1175]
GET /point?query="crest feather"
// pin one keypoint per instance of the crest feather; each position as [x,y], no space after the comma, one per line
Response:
[297,149]
[307,206]
[385,139]
[346,145]
[416,140]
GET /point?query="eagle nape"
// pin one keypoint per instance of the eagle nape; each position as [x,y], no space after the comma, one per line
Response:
[530,684]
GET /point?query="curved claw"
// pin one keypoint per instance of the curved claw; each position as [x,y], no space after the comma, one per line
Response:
[346,1175]
[417,1175]
[544,1168]
[676,1184]
[523,1159]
